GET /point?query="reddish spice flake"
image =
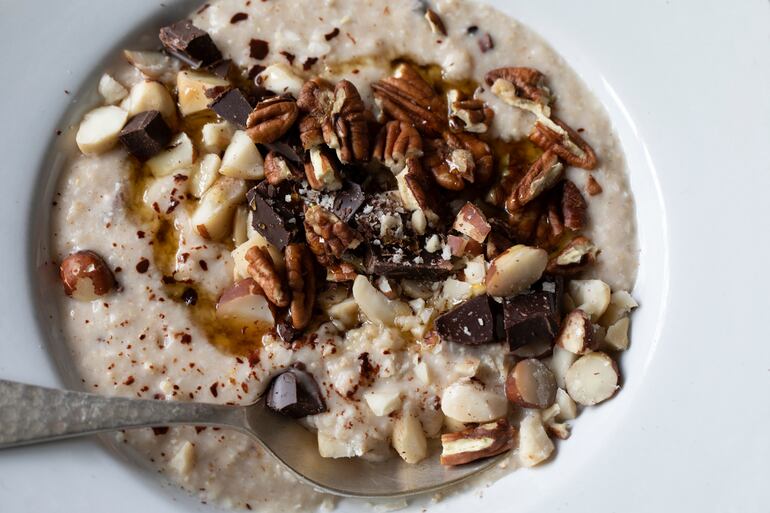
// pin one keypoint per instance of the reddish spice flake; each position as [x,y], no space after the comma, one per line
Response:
[140,234]
[118,270]
[239,16]
[198,429]
[245,387]
[213,389]
[203,265]
[186,338]
[309,62]
[486,43]
[160,430]
[259,48]
[142,266]
[331,35]
[289,57]
[129,380]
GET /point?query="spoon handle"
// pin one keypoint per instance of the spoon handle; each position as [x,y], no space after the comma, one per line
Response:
[31,414]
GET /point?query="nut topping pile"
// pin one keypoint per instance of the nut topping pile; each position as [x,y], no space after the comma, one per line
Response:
[406,212]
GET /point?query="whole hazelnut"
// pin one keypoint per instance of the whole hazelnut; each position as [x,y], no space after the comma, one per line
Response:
[86,276]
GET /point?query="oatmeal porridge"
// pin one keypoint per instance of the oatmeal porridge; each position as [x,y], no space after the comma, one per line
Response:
[398,221]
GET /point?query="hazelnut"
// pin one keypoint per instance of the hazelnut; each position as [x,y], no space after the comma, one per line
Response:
[86,276]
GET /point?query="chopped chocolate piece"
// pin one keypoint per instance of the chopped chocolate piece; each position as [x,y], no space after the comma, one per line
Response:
[259,49]
[238,17]
[295,393]
[392,264]
[222,69]
[190,296]
[286,331]
[232,106]
[472,29]
[289,56]
[486,43]
[272,216]
[331,35]
[553,286]
[190,44]
[291,153]
[309,62]
[469,323]
[529,318]
[348,200]
[145,135]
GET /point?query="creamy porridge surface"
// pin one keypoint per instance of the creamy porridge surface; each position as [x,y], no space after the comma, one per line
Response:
[140,342]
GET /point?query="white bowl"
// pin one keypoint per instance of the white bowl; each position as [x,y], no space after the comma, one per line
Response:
[693,114]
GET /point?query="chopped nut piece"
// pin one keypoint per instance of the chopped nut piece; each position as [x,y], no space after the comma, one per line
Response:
[375,305]
[86,276]
[435,22]
[475,443]
[213,216]
[578,254]
[397,142]
[616,338]
[591,296]
[100,129]
[277,169]
[573,207]
[194,89]
[341,272]
[592,186]
[407,97]
[534,444]
[271,119]
[262,270]
[280,79]
[564,142]
[515,270]
[470,401]
[577,333]
[593,378]
[245,301]
[150,95]
[621,304]
[472,222]
[321,171]
[414,189]
[409,439]
[300,272]
[111,90]
[468,114]
[327,235]
[242,159]
[531,384]
[154,65]
[528,83]
[544,173]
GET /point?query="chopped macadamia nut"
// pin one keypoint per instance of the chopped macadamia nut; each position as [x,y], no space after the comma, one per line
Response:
[590,296]
[374,305]
[213,217]
[280,79]
[192,87]
[593,378]
[621,304]
[559,362]
[469,401]
[184,460]
[409,439]
[179,154]
[383,402]
[534,444]
[216,137]
[150,95]
[205,172]
[472,222]
[111,90]
[567,406]
[99,129]
[514,270]
[616,338]
[242,159]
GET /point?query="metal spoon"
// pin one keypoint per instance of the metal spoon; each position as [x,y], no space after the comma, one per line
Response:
[31,414]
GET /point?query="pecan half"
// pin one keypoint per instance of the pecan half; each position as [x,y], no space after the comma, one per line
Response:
[437,158]
[483,161]
[277,169]
[543,174]
[335,116]
[406,96]
[397,142]
[327,235]
[529,83]
[573,207]
[300,273]
[568,144]
[468,114]
[316,99]
[414,188]
[474,443]
[351,128]
[271,119]
[262,271]
[578,254]
[525,220]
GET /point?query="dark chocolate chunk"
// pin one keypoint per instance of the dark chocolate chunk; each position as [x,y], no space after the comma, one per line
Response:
[348,200]
[392,264]
[286,331]
[190,44]
[309,62]
[295,393]
[274,218]
[222,69]
[331,35]
[232,106]
[530,318]
[470,323]
[553,286]
[145,135]
[190,296]
[259,49]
